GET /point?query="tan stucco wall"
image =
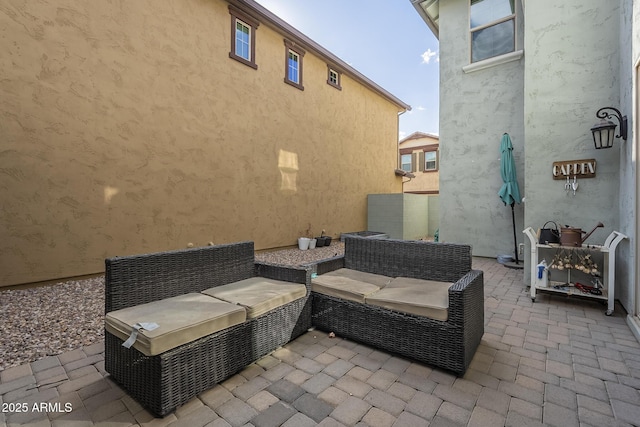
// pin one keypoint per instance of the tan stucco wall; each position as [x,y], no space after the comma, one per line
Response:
[126,128]
[424,181]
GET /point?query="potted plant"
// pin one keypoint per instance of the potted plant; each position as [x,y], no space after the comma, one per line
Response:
[323,240]
[304,242]
[312,240]
[320,240]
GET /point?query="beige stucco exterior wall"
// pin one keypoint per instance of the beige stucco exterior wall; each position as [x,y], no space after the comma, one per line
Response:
[126,128]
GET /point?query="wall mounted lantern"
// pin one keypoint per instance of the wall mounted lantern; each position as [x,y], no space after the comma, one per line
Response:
[604,132]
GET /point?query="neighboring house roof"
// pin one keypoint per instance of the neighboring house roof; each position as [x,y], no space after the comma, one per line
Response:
[429,10]
[276,23]
[418,135]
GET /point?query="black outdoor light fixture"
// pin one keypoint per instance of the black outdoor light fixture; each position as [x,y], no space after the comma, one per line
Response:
[604,132]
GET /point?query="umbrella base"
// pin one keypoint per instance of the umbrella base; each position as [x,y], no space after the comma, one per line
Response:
[514,266]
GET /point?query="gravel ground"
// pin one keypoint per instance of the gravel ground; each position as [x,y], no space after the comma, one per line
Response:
[49,320]
[298,257]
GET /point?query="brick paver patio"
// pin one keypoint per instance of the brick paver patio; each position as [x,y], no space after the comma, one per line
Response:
[556,362]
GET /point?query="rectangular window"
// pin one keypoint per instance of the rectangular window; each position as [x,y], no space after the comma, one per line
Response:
[243,41]
[405,162]
[430,161]
[492,24]
[243,37]
[293,67]
[333,78]
[293,64]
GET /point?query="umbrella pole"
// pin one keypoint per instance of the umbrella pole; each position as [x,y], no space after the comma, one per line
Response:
[515,241]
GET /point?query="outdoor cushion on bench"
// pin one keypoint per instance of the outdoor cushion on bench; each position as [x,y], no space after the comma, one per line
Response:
[258,295]
[164,381]
[393,324]
[352,285]
[180,320]
[427,298]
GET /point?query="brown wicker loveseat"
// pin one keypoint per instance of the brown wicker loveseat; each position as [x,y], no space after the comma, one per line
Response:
[418,299]
[169,365]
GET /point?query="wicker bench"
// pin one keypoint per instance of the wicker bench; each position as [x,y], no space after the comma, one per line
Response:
[162,382]
[448,343]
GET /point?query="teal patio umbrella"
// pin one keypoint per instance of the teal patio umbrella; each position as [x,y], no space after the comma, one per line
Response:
[509,192]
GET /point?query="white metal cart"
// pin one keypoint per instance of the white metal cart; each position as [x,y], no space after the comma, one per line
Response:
[541,282]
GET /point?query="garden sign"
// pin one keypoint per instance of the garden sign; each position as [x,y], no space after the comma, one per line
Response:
[580,168]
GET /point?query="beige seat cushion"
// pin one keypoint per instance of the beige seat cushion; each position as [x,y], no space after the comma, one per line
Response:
[425,298]
[258,295]
[352,285]
[181,319]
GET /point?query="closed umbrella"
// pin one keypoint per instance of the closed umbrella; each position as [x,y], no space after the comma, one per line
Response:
[510,191]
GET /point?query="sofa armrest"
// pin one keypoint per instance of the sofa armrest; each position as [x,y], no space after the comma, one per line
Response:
[284,273]
[327,265]
[466,301]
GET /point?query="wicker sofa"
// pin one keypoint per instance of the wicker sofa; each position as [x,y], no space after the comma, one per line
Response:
[181,370]
[372,295]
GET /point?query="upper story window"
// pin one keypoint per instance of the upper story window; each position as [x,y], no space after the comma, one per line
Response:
[243,37]
[243,41]
[293,65]
[405,162]
[430,160]
[333,78]
[492,28]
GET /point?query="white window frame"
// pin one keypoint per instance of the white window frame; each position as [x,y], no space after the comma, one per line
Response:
[293,67]
[241,42]
[498,21]
[292,48]
[238,17]
[333,78]
[434,160]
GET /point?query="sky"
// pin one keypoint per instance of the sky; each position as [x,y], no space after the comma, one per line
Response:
[386,40]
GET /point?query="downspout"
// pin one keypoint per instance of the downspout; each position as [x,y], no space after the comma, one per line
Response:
[398,146]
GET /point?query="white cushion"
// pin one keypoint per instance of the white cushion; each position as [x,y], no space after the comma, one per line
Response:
[426,298]
[352,285]
[258,295]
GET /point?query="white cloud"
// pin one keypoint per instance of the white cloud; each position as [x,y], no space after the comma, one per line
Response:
[421,108]
[426,57]
[401,135]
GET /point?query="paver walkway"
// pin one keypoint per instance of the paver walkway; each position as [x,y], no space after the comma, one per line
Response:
[557,362]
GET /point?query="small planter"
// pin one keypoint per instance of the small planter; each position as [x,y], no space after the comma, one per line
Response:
[303,243]
[326,240]
[320,242]
[313,243]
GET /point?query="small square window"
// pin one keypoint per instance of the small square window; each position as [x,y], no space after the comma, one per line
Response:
[293,64]
[333,78]
[243,37]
